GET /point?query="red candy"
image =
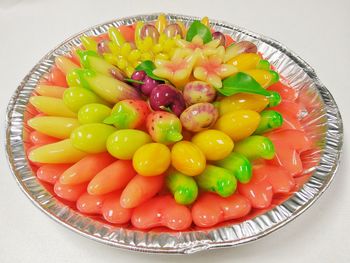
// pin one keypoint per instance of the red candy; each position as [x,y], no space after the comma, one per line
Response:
[39,138]
[57,78]
[211,209]
[113,212]
[51,172]
[162,211]
[69,192]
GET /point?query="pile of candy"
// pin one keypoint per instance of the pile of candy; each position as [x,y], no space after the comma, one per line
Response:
[162,125]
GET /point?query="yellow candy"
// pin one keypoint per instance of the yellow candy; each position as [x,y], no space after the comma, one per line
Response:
[65,64]
[147,56]
[58,127]
[188,158]
[205,21]
[161,23]
[122,63]
[151,159]
[59,152]
[134,55]
[263,77]
[245,61]
[50,91]
[125,49]
[157,48]
[51,106]
[243,101]
[238,124]
[115,35]
[89,43]
[215,144]
[129,70]
[162,56]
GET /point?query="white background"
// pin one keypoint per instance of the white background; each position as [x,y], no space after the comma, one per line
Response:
[319,31]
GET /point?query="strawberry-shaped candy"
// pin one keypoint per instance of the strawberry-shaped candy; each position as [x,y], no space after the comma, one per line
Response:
[164,127]
[128,114]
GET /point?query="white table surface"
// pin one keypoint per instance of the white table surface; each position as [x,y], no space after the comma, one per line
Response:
[319,31]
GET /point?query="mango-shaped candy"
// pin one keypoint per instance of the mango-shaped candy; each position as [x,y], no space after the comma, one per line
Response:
[239,165]
[91,137]
[51,106]
[245,61]
[59,152]
[255,147]
[211,209]
[58,127]
[109,89]
[264,77]
[238,124]
[218,180]
[161,211]
[243,101]
[123,144]
[269,120]
[91,60]
[50,91]
[89,43]
[152,159]
[215,144]
[93,113]
[187,158]
[76,97]
[183,187]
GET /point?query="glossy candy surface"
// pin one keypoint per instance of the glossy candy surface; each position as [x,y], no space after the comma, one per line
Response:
[183,187]
[199,116]
[93,113]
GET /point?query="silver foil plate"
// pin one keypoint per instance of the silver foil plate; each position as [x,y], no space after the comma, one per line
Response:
[321,120]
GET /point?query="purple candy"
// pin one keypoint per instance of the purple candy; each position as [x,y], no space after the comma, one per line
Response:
[138,75]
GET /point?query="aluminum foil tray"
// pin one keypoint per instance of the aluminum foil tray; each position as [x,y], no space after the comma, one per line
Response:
[321,121]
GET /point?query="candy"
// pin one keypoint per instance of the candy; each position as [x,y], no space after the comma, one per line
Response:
[245,61]
[59,152]
[93,113]
[91,60]
[123,144]
[128,114]
[215,144]
[58,127]
[238,124]
[51,172]
[218,180]
[91,137]
[91,204]
[198,91]
[199,116]
[89,43]
[116,36]
[164,127]
[51,106]
[220,36]
[243,101]
[255,147]
[111,178]
[286,92]
[39,138]
[56,77]
[75,98]
[65,64]
[269,121]
[173,30]
[161,211]
[165,96]
[69,192]
[239,165]
[151,159]
[239,48]
[140,189]
[183,187]
[149,31]
[211,209]
[113,212]
[187,158]
[85,169]
[109,89]
[264,77]
[50,91]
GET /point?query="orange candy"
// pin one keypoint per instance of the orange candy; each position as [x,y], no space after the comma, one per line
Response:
[140,189]
[113,177]
[91,204]
[286,92]
[113,212]
[211,209]
[51,172]
[69,192]
[56,77]
[39,138]
[162,211]
[85,169]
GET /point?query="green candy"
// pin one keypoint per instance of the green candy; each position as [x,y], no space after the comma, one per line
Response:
[255,147]
[76,97]
[197,28]
[239,165]
[263,64]
[274,99]
[183,187]
[218,180]
[89,43]
[269,120]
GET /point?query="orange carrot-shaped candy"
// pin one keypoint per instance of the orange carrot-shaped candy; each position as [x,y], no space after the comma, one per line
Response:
[39,138]
[57,78]
[69,192]
[113,212]
[85,169]
[114,177]
[140,189]
[91,204]
[162,211]
[51,172]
